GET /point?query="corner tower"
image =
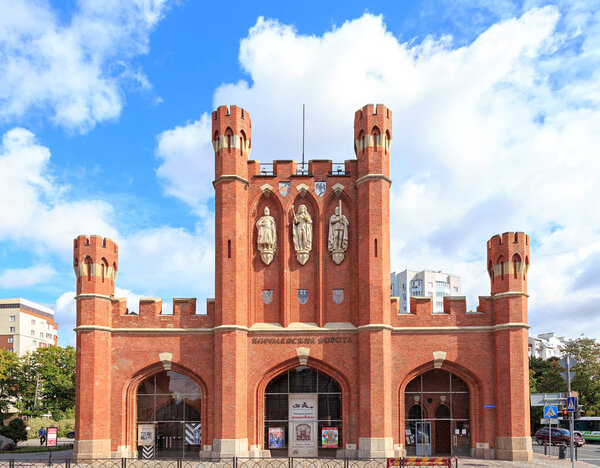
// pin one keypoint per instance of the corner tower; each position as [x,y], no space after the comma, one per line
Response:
[232,136]
[508,262]
[372,138]
[95,261]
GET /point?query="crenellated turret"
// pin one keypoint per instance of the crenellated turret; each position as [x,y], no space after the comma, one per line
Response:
[232,141]
[372,139]
[508,262]
[95,262]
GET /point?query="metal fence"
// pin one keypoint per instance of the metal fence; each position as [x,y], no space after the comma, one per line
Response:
[551,450]
[53,462]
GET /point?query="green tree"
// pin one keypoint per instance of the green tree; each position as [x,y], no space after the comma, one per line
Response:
[9,364]
[56,366]
[15,430]
[587,379]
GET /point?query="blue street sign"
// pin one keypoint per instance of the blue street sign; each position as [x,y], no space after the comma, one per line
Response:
[489,406]
[550,412]
[571,404]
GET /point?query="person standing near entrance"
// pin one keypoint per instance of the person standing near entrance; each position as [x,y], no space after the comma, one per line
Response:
[42,434]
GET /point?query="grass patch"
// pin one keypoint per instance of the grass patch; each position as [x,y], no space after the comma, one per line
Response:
[34,449]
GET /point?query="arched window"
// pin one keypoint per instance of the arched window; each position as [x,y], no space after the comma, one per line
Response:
[89,266]
[375,134]
[442,412]
[516,264]
[416,413]
[501,262]
[280,391]
[228,138]
[491,271]
[172,403]
[104,266]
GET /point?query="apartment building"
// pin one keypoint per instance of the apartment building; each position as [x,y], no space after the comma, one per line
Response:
[26,326]
[547,345]
[434,284]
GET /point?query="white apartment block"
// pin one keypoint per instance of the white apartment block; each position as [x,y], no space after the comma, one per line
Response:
[26,326]
[433,284]
[547,345]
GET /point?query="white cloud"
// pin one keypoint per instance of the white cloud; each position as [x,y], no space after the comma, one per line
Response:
[497,135]
[187,169]
[73,70]
[25,277]
[32,202]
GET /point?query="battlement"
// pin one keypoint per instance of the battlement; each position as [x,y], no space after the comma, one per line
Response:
[226,112]
[150,314]
[314,168]
[370,109]
[507,237]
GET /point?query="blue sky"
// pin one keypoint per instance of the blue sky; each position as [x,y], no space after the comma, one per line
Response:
[104,123]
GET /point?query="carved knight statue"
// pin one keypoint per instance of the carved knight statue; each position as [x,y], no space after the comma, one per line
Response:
[302,233]
[267,237]
[337,241]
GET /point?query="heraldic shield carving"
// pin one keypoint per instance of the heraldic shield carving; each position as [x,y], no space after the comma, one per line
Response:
[284,188]
[302,296]
[320,188]
[338,296]
[267,296]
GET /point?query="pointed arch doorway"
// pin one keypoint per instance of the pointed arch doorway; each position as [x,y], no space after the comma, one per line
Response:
[437,418]
[284,431]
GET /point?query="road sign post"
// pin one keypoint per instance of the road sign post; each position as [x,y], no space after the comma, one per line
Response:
[567,363]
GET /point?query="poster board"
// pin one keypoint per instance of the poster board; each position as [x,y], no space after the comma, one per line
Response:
[303,412]
[329,437]
[276,437]
[51,436]
[146,434]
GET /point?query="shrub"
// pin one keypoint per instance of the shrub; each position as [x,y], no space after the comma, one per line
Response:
[35,424]
[15,430]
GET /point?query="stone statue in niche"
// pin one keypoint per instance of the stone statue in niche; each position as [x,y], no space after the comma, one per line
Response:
[337,241]
[302,233]
[267,237]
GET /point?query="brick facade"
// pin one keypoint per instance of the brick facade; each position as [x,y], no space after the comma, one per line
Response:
[240,341]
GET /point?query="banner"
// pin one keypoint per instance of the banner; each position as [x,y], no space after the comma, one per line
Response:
[329,437]
[145,434]
[51,436]
[303,412]
[276,437]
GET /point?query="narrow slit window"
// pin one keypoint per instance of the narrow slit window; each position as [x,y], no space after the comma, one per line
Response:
[229,248]
[376,247]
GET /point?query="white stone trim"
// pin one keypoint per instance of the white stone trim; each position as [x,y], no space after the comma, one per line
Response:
[223,177]
[94,296]
[372,177]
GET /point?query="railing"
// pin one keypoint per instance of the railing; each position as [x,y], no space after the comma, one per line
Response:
[54,460]
[302,168]
[554,450]
[338,169]
[266,169]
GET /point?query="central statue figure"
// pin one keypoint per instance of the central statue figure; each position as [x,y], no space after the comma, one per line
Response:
[302,233]
[267,237]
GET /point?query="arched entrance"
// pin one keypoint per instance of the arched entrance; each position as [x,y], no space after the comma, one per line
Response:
[168,416]
[303,413]
[437,414]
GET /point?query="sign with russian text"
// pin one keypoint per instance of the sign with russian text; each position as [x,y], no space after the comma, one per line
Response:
[329,437]
[145,434]
[303,410]
[51,436]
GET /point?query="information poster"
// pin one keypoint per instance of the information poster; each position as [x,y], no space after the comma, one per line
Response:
[145,434]
[276,437]
[51,436]
[329,437]
[303,411]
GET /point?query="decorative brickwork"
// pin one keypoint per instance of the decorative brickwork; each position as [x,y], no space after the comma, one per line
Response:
[336,318]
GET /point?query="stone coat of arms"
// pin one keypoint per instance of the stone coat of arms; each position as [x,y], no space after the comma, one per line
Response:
[284,188]
[267,296]
[302,296]
[320,188]
[338,296]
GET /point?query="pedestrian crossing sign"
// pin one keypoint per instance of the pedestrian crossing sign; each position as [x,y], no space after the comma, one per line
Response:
[551,412]
[571,404]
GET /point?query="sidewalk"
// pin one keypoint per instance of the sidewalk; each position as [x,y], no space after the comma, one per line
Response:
[537,462]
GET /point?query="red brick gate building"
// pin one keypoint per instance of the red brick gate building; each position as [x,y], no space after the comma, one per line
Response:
[302,309]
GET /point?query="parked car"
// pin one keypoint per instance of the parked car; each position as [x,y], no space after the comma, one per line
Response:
[559,437]
[71,434]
